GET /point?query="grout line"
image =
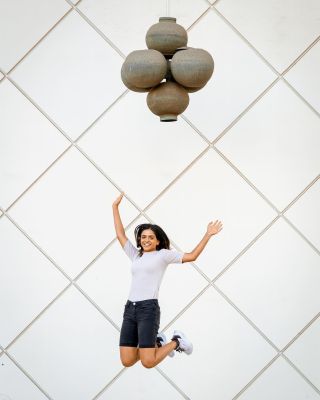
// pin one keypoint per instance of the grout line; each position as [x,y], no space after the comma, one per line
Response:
[246,110]
[99,32]
[284,80]
[189,166]
[73,143]
[39,41]
[198,19]
[26,374]
[300,373]
[244,39]
[280,75]
[246,179]
[121,372]
[244,316]
[256,377]
[301,56]
[37,179]
[71,282]
[301,332]
[300,194]
[245,249]
[115,102]
[301,235]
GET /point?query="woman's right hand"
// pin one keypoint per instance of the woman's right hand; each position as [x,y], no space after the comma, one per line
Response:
[117,200]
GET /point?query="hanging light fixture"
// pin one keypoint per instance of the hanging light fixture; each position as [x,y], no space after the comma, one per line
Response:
[168,70]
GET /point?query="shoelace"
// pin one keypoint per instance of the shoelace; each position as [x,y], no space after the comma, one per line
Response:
[179,349]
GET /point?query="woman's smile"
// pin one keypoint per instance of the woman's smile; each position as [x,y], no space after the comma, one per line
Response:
[149,242]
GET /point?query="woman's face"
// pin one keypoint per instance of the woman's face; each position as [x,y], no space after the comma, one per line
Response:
[148,240]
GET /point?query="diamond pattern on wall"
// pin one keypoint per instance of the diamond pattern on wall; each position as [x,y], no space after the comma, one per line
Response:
[280,381]
[239,77]
[28,274]
[30,145]
[276,145]
[304,76]
[305,214]
[279,294]
[245,150]
[68,212]
[23,24]
[276,29]
[214,322]
[13,381]
[305,353]
[140,154]
[75,64]
[206,192]
[80,344]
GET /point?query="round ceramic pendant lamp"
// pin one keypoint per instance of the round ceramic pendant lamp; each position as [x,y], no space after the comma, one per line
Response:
[168,70]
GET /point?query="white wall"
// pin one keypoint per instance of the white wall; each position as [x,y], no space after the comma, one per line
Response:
[246,151]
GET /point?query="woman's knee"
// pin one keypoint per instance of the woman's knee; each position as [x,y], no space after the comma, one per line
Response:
[147,357]
[147,363]
[128,356]
[128,363]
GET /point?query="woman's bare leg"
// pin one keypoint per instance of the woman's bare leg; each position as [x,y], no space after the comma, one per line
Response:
[150,357]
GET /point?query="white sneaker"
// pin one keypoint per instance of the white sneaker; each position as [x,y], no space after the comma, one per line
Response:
[184,343]
[162,340]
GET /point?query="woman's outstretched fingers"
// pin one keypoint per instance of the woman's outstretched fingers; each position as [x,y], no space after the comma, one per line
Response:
[214,228]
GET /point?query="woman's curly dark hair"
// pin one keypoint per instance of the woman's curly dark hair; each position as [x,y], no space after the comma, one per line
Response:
[160,235]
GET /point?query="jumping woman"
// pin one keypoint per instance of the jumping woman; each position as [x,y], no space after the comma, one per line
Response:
[141,317]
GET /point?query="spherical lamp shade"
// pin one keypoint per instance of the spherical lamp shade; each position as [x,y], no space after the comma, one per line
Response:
[133,88]
[166,36]
[168,100]
[192,68]
[143,69]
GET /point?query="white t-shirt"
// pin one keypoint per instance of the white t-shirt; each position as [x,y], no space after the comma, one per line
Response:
[147,271]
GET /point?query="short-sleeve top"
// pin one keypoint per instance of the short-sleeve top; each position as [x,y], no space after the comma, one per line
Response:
[148,270]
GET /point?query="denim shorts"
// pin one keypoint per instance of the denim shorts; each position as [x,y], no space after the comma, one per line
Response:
[141,320]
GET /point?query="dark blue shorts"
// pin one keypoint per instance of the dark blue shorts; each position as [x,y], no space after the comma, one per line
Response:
[141,321]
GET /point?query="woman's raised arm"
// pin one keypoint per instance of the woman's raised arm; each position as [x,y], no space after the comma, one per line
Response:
[212,229]
[121,235]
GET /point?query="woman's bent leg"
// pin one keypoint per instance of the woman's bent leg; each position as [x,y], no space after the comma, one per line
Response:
[150,357]
[129,355]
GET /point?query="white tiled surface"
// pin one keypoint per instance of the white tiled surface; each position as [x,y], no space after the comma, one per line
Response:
[67,212]
[27,131]
[75,64]
[280,294]
[280,381]
[239,76]
[144,384]
[152,150]
[23,24]
[305,353]
[278,138]
[304,76]
[28,275]
[15,383]
[305,214]
[67,348]
[76,350]
[218,352]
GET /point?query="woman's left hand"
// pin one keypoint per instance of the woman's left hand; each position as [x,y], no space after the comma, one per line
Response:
[214,228]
